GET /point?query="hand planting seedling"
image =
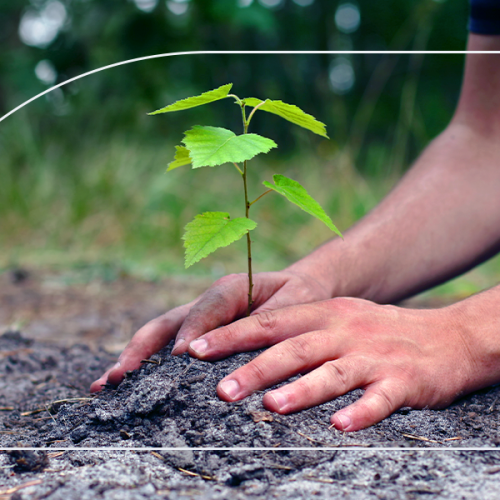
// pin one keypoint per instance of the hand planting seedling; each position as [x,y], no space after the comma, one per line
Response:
[205,146]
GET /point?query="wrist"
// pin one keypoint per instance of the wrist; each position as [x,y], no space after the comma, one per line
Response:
[334,266]
[477,319]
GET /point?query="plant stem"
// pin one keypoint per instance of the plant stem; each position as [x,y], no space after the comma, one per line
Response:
[246,123]
[263,194]
[249,242]
[247,209]
[253,112]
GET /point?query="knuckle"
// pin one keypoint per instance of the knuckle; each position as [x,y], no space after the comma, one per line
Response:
[266,320]
[386,400]
[257,372]
[338,374]
[230,279]
[305,390]
[300,349]
[228,333]
[347,304]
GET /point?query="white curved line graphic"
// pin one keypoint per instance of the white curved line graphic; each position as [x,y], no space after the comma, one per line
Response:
[244,52]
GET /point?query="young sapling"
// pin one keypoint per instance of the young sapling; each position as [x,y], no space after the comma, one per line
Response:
[205,146]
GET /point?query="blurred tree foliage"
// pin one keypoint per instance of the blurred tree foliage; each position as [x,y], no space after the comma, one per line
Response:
[394,102]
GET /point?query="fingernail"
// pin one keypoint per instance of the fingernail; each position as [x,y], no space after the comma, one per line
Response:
[230,387]
[345,422]
[117,365]
[178,342]
[280,399]
[199,346]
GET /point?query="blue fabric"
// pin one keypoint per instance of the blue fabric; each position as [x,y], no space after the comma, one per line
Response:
[485,17]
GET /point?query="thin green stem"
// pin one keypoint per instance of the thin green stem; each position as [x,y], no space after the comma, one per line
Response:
[253,112]
[238,168]
[243,114]
[246,122]
[263,194]
[236,98]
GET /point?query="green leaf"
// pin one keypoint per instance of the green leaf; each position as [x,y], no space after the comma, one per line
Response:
[295,193]
[199,100]
[211,146]
[289,112]
[210,231]
[181,158]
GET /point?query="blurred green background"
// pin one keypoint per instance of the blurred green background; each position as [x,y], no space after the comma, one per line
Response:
[82,171]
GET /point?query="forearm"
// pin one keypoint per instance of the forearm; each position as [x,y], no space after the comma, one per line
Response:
[442,218]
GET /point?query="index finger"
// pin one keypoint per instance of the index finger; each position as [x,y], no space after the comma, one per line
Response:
[259,330]
[225,301]
[152,337]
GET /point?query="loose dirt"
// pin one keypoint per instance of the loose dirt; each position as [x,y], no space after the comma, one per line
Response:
[198,445]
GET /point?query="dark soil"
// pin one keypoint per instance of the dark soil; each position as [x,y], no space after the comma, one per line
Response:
[171,403]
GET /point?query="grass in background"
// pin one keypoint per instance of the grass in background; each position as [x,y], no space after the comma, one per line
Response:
[110,200]
[106,204]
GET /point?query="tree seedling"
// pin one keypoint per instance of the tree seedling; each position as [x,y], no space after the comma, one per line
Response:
[205,146]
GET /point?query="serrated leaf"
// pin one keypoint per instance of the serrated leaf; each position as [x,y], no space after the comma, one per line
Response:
[289,112]
[199,100]
[295,193]
[210,231]
[211,146]
[181,158]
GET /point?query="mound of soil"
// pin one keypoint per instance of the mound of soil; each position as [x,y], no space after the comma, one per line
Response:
[171,402]
[212,449]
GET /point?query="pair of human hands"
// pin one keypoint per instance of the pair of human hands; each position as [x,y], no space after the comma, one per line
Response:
[400,357]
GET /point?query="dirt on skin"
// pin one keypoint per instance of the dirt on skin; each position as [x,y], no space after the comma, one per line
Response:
[170,402]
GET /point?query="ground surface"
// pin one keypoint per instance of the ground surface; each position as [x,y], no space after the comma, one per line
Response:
[72,329]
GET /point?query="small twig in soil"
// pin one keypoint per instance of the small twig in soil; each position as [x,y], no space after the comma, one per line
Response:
[421,438]
[185,371]
[307,437]
[427,440]
[12,490]
[23,350]
[32,412]
[56,454]
[50,414]
[425,490]
[152,361]
[490,409]
[278,466]
[189,473]
[319,479]
[49,406]
[6,408]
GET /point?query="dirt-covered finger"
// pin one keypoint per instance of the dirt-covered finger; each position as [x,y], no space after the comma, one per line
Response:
[378,402]
[329,381]
[257,331]
[98,384]
[225,301]
[278,363]
[148,340]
